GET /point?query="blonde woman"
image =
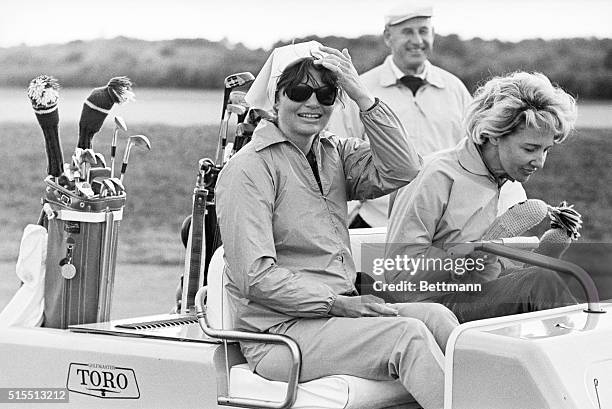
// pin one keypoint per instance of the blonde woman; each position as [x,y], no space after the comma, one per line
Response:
[511,125]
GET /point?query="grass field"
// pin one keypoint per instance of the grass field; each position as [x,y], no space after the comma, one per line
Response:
[160,184]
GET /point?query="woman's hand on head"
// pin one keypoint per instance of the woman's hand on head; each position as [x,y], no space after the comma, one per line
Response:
[341,64]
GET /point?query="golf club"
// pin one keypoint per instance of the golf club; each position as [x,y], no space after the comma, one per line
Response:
[244,131]
[234,81]
[68,172]
[84,188]
[238,98]
[230,109]
[118,185]
[44,97]
[101,187]
[110,187]
[99,172]
[87,158]
[75,167]
[119,124]
[134,140]
[98,105]
[100,160]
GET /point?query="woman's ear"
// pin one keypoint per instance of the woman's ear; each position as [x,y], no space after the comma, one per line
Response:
[494,140]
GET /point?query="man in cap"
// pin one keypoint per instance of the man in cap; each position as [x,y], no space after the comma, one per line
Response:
[429,101]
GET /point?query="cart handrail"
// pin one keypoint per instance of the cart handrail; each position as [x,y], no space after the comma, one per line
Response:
[233,335]
[549,263]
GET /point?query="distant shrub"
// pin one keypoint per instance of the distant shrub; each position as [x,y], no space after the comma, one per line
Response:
[581,65]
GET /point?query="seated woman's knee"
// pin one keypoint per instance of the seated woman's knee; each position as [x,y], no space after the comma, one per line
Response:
[407,326]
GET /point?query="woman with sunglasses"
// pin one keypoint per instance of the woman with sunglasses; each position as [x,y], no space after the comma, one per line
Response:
[282,209]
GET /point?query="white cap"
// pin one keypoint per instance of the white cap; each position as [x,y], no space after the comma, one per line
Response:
[406,11]
[261,93]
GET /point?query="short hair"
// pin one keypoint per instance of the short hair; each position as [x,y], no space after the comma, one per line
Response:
[300,70]
[518,99]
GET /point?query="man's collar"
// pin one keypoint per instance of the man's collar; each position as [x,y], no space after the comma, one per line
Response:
[391,73]
[267,134]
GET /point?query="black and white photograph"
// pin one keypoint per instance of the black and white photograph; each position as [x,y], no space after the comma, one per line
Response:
[306,204]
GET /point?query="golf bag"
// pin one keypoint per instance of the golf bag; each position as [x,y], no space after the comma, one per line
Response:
[81,256]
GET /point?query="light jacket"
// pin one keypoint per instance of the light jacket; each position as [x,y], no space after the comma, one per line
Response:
[453,200]
[287,244]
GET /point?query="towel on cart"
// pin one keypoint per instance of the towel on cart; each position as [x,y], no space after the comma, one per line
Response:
[26,307]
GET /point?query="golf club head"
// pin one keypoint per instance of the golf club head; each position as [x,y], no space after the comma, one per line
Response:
[140,141]
[234,81]
[205,165]
[238,98]
[118,185]
[88,156]
[110,186]
[236,109]
[134,140]
[238,80]
[120,123]
[100,160]
[99,172]
[85,189]
[97,185]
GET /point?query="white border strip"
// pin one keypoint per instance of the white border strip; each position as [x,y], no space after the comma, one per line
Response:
[88,217]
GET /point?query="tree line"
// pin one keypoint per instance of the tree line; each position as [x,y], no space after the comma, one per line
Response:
[583,66]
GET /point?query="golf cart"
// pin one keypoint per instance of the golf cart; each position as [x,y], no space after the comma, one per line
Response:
[558,358]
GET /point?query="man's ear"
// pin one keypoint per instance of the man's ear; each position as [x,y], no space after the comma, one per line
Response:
[387,37]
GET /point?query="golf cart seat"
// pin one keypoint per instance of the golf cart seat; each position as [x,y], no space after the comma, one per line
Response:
[248,389]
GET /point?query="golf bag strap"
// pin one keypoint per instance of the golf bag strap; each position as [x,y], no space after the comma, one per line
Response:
[197,241]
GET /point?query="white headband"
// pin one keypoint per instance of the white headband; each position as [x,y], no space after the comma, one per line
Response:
[261,93]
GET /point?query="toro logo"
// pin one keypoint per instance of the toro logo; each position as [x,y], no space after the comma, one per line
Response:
[102,381]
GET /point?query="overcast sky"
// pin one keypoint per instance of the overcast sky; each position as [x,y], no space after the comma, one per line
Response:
[261,23]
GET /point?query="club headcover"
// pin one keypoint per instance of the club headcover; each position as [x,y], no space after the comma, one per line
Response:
[97,106]
[44,97]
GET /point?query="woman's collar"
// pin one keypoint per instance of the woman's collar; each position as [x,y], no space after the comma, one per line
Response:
[471,158]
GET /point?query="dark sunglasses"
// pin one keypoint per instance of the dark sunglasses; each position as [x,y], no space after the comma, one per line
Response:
[326,95]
